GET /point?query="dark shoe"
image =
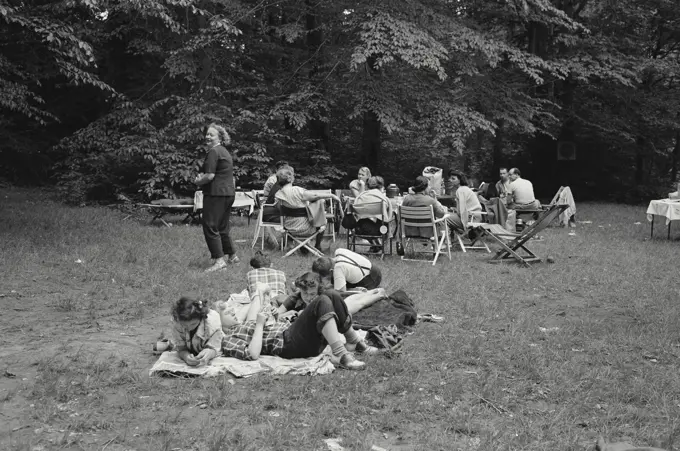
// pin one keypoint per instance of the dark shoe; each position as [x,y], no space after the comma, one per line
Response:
[363,348]
[473,234]
[400,248]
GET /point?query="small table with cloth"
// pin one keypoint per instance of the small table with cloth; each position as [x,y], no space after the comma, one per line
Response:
[670,208]
[160,208]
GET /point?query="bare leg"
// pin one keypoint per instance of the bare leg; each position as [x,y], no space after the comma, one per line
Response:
[330,332]
[257,299]
[360,301]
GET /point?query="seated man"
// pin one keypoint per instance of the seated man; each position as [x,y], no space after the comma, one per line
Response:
[521,193]
[348,270]
[502,186]
[322,320]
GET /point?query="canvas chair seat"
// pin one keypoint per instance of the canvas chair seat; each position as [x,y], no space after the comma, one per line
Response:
[300,241]
[473,240]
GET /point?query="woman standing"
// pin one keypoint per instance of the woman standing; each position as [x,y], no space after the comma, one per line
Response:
[217,183]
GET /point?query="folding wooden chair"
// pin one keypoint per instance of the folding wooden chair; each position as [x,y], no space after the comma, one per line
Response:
[366,211]
[330,213]
[473,241]
[514,248]
[419,225]
[301,241]
[264,227]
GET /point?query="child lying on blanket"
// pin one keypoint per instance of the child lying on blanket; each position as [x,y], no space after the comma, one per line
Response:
[324,317]
[197,331]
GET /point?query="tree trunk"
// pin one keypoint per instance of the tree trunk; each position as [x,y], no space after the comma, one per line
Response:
[206,65]
[370,137]
[674,159]
[318,130]
[497,154]
[370,141]
[542,159]
[639,161]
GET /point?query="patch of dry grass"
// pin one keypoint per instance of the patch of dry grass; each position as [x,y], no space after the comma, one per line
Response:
[78,337]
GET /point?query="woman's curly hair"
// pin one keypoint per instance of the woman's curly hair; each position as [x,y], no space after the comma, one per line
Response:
[225,139]
[187,309]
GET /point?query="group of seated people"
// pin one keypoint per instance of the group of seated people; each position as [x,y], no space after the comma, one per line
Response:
[324,314]
[511,192]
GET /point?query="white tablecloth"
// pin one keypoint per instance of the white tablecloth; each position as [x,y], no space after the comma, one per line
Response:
[243,200]
[668,208]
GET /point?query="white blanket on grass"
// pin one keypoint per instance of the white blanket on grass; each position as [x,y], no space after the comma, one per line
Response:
[170,364]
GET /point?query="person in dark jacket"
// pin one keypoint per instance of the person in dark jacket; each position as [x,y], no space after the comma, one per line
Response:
[217,183]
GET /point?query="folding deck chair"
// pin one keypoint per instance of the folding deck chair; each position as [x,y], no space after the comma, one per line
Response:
[262,228]
[300,241]
[364,211]
[419,225]
[517,244]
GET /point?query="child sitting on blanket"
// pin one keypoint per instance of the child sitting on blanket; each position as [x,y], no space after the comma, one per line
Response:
[324,317]
[263,273]
[197,331]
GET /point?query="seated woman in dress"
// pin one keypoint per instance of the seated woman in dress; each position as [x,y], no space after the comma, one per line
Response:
[358,186]
[322,320]
[375,193]
[295,197]
[467,204]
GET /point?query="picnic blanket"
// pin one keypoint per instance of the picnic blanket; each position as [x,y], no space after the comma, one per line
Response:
[169,364]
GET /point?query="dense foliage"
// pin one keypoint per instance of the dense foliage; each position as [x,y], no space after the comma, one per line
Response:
[113,95]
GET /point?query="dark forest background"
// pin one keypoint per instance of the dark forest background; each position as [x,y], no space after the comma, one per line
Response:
[103,97]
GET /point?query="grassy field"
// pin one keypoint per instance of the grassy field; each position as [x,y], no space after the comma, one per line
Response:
[546,358]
